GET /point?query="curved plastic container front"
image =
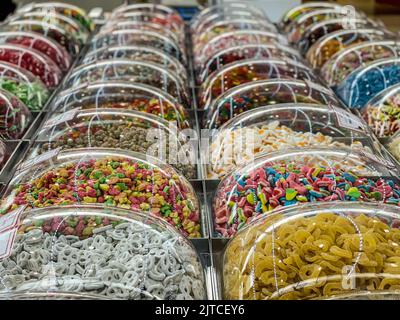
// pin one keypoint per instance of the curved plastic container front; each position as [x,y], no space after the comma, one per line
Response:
[65,22]
[33,61]
[296,176]
[243,52]
[340,65]
[3,153]
[137,37]
[297,12]
[24,85]
[320,29]
[235,38]
[151,17]
[36,41]
[299,27]
[131,71]
[14,116]
[65,9]
[97,252]
[125,95]
[367,81]
[229,25]
[322,50]
[319,251]
[246,71]
[394,146]
[217,12]
[111,177]
[145,26]
[281,126]
[120,129]
[382,113]
[149,7]
[262,93]
[51,30]
[138,53]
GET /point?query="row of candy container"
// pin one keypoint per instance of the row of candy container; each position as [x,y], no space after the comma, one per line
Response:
[38,44]
[305,201]
[94,211]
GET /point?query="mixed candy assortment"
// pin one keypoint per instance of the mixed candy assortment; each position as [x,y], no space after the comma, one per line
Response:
[100,206]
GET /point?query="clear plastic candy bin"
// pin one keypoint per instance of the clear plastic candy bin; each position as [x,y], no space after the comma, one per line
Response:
[300,175]
[131,71]
[271,128]
[327,46]
[340,65]
[124,95]
[262,93]
[367,81]
[43,44]
[120,129]
[319,251]
[95,252]
[297,12]
[111,177]
[394,146]
[33,61]
[137,37]
[139,53]
[69,10]
[14,116]
[244,52]
[320,29]
[24,85]
[245,71]
[382,113]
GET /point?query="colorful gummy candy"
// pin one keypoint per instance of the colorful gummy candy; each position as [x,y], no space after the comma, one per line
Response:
[114,181]
[242,198]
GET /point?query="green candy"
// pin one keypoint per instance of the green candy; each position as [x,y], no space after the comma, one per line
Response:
[353,192]
[290,193]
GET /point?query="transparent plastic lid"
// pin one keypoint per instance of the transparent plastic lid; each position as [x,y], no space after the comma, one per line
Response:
[317,251]
[24,85]
[340,65]
[95,252]
[262,93]
[282,126]
[219,11]
[297,12]
[382,113]
[14,116]
[250,70]
[33,61]
[301,25]
[293,177]
[111,177]
[120,129]
[394,146]
[3,153]
[137,37]
[152,17]
[327,46]
[367,81]
[235,38]
[139,53]
[43,44]
[125,95]
[243,52]
[65,9]
[67,23]
[51,30]
[229,25]
[146,26]
[131,71]
[318,30]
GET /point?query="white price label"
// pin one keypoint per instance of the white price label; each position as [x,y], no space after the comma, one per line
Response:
[66,116]
[43,157]
[6,242]
[348,120]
